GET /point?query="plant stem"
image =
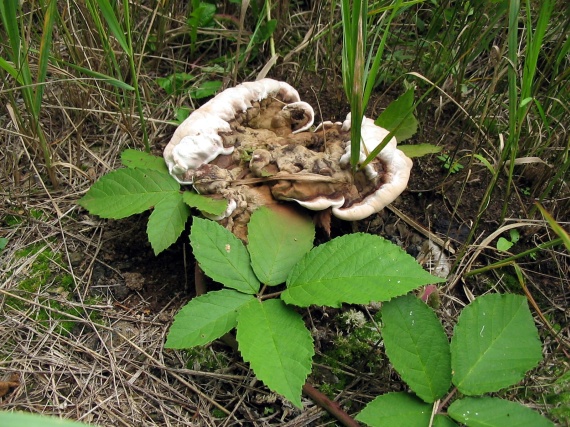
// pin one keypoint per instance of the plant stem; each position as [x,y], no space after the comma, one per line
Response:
[508,261]
[330,406]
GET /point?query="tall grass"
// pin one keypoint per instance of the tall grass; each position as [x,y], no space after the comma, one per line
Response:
[125,39]
[361,59]
[18,66]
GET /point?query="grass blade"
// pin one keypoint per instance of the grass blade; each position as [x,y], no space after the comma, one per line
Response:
[113,23]
[45,47]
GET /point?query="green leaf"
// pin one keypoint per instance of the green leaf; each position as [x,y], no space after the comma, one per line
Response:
[264,31]
[166,222]
[443,421]
[495,412]
[417,346]
[222,256]
[274,340]
[113,23]
[175,83]
[206,318]
[494,344]
[503,244]
[3,242]
[399,116]
[278,239]
[205,203]
[207,88]
[561,232]
[126,192]
[107,79]
[203,15]
[21,419]
[356,269]
[44,53]
[419,150]
[396,410]
[139,159]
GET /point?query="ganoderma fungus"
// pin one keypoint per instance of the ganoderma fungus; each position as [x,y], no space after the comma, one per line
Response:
[251,145]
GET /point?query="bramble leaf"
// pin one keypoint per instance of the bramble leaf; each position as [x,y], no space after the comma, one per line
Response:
[166,222]
[417,346]
[400,111]
[126,192]
[495,412]
[279,348]
[278,239]
[396,410]
[222,256]
[495,343]
[139,159]
[206,318]
[204,203]
[356,269]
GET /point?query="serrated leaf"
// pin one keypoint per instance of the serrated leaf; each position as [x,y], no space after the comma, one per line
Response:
[222,256]
[400,113]
[139,159]
[204,203]
[419,150]
[495,412]
[279,348]
[495,343]
[278,238]
[356,269]
[396,410]
[126,192]
[206,318]
[417,346]
[166,222]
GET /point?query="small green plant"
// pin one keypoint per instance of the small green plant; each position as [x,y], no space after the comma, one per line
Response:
[449,164]
[504,244]
[146,184]
[271,334]
[495,342]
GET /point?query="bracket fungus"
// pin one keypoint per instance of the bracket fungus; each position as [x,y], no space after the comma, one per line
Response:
[251,145]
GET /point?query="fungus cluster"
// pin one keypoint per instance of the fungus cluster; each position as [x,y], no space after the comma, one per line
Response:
[251,145]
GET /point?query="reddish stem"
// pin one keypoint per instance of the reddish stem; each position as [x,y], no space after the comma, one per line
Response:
[330,406]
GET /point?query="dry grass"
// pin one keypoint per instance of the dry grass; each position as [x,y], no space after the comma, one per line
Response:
[110,368]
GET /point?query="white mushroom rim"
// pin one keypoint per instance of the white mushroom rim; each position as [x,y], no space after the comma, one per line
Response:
[252,142]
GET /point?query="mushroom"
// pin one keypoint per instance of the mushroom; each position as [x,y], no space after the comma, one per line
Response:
[207,132]
[251,144]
